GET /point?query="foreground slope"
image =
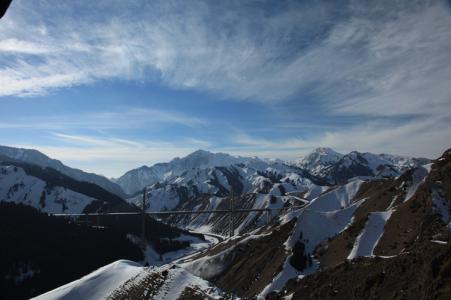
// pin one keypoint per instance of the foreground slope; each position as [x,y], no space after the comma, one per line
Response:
[96,285]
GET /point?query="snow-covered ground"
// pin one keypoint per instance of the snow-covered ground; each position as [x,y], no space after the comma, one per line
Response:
[178,279]
[196,244]
[102,282]
[96,285]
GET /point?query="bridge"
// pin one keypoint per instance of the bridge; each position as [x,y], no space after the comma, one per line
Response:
[231,211]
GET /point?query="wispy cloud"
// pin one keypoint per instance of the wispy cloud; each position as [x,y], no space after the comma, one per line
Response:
[383,58]
[424,137]
[385,62]
[15,46]
[124,118]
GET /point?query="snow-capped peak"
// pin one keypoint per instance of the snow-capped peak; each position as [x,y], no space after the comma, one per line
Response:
[136,179]
[203,158]
[319,158]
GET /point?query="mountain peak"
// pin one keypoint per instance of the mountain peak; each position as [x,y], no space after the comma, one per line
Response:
[203,158]
[319,158]
[325,150]
[201,152]
[321,154]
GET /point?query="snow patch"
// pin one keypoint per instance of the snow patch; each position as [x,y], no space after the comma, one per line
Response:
[338,198]
[418,177]
[367,240]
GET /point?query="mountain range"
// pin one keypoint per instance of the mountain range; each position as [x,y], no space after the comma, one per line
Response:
[201,180]
[324,163]
[327,217]
[205,181]
[373,237]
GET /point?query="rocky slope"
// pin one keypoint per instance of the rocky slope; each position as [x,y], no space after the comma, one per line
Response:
[383,228]
[397,247]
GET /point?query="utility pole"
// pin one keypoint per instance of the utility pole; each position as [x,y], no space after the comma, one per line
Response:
[231,227]
[143,220]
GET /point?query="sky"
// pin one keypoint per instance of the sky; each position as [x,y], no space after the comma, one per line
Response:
[107,86]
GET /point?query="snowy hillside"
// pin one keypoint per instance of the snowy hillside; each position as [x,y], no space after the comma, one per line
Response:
[96,285]
[16,186]
[37,158]
[122,278]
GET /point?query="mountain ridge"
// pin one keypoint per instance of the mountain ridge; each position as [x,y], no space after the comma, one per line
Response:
[36,157]
[324,163]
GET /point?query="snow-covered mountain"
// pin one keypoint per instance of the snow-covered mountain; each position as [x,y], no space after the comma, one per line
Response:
[19,187]
[37,158]
[183,182]
[135,180]
[337,168]
[384,238]
[319,159]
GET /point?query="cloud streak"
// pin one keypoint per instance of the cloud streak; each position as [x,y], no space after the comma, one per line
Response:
[124,118]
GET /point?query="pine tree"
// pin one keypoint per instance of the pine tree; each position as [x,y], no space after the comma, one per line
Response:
[42,199]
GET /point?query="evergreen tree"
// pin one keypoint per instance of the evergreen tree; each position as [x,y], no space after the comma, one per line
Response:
[42,199]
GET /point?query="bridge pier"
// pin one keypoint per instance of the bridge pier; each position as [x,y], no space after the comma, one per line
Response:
[143,220]
[231,226]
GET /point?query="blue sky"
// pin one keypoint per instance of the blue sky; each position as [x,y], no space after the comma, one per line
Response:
[107,86]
